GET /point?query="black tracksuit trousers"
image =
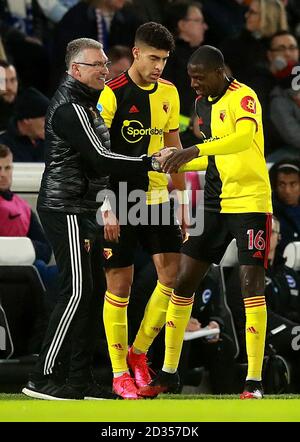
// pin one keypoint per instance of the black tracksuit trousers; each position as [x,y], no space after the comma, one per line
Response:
[69,342]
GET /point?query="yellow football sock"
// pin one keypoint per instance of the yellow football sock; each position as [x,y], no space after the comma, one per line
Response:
[116,329]
[178,315]
[154,317]
[256,324]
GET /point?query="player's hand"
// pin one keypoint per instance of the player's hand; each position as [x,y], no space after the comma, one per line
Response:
[177,158]
[158,158]
[165,152]
[111,226]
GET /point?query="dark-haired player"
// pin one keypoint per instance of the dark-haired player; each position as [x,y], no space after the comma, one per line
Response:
[142,112]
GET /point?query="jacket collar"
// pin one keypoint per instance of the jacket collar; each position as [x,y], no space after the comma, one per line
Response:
[81,91]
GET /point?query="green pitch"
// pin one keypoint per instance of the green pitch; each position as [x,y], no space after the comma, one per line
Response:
[203,408]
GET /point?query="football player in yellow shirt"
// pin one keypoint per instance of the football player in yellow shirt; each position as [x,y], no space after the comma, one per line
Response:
[142,112]
[237,202]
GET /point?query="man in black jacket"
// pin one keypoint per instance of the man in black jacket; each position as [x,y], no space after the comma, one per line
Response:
[78,159]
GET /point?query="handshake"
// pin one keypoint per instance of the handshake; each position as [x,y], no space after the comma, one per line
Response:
[169,159]
[159,158]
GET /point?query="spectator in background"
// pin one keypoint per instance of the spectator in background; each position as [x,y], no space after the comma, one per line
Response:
[286,301]
[120,58]
[28,58]
[152,10]
[185,20]
[106,21]
[283,54]
[8,95]
[19,220]
[285,97]
[285,182]
[293,11]
[47,13]
[225,18]
[246,56]
[27,54]
[16,216]
[285,116]
[26,130]
[54,10]
[248,52]
[18,14]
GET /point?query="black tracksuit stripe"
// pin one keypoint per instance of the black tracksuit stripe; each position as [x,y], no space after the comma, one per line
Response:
[75,257]
[94,139]
[83,118]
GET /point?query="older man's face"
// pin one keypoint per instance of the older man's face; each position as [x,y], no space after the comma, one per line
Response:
[91,68]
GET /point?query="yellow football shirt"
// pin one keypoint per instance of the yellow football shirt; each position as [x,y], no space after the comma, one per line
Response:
[234,182]
[138,118]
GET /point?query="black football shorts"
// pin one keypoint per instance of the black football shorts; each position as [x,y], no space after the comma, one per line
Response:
[162,237]
[252,232]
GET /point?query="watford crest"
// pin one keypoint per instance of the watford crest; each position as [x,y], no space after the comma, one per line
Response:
[222,115]
[166,106]
[107,253]
[87,245]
